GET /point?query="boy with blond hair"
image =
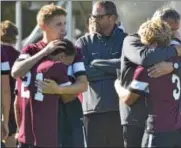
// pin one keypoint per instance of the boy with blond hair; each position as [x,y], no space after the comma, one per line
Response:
[52,21]
[155,32]
[161,95]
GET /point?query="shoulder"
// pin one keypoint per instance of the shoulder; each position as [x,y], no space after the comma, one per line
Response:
[32,48]
[58,71]
[59,65]
[44,65]
[58,68]
[120,32]
[133,37]
[86,39]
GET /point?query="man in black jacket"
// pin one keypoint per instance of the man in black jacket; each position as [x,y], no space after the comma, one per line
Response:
[135,53]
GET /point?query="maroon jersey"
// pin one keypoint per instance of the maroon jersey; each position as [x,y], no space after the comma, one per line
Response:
[10,54]
[76,69]
[163,99]
[45,107]
[43,121]
[25,131]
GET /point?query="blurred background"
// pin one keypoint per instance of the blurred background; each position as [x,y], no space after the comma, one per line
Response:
[131,14]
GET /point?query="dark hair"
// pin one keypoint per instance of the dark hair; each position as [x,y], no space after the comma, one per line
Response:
[109,7]
[166,13]
[67,47]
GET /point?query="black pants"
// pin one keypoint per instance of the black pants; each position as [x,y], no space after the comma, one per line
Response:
[132,135]
[3,145]
[103,130]
[71,125]
[162,139]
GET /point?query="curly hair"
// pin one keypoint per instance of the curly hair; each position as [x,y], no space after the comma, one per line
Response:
[9,31]
[155,31]
[47,12]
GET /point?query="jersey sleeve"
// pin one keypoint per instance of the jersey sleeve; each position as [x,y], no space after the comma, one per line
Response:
[5,65]
[78,67]
[140,82]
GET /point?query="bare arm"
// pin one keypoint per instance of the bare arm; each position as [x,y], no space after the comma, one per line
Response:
[21,67]
[51,87]
[125,95]
[17,112]
[6,98]
[6,102]
[79,86]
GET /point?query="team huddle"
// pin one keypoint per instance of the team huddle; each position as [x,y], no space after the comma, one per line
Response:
[58,88]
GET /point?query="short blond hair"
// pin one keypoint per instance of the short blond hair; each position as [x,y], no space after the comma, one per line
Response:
[47,12]
[9,31]
[155,31]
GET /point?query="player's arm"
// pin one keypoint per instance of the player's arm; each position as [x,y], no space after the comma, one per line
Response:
[137,88]
[139,54]
[51,87]
[79,86]
[6,94]
[17,112]
[125,95]
[6,102]
[163,68]
[16,107]
[25,61]
[6,97]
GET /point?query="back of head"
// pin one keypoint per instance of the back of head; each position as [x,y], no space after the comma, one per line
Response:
[47,12]
[155,31]
[8,32]
[109,7]
[67,48]
[166,13]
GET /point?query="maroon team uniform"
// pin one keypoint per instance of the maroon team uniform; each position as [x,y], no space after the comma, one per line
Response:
[73,110]
[163,96]
[10,54]
[43,109]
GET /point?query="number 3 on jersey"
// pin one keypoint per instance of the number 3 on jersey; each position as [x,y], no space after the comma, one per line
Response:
[26,83]
[176,92]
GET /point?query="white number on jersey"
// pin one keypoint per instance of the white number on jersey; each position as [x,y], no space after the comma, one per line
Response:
[39,95]
[176,92]
[26,83]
